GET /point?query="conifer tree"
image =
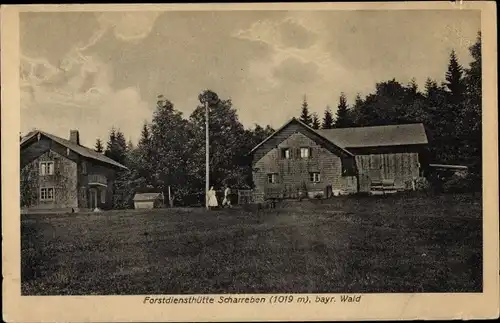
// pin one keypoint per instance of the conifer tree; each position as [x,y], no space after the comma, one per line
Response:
[315,124]
[342,116]
[328,119]
[98,146]
[455,83]
[117,146]
[305,117]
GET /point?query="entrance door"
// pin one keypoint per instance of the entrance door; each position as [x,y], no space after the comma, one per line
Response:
[93,198]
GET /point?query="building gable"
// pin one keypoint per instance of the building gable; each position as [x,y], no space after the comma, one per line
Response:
[72,150]
[294,126]
[37,148]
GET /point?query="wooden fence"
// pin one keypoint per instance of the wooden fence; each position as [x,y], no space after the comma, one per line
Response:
[250,197]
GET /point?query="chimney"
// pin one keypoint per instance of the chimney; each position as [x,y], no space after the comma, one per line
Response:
[74,136]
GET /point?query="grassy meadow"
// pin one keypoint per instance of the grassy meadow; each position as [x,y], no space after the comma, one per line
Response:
[345,244]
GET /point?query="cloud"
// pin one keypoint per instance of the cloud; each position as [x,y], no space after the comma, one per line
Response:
[128,26]
[294,34]
[291,40]
[77,92]
[282,34]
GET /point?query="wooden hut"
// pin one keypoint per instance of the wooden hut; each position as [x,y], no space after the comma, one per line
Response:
[148,200]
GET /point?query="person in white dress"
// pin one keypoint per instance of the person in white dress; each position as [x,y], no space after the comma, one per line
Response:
[212,198]
[227,200]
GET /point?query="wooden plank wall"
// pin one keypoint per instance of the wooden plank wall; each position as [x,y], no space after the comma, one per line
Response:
[294,172]
[401,167]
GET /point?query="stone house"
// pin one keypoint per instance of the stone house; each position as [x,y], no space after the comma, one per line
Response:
[61,175]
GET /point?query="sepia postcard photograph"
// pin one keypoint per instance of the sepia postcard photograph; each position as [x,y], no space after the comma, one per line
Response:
[249,162]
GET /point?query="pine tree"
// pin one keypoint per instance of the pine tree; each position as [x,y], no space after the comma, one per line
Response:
[145,139]
[342,116]
[412,88]
[357,111]
[305,117]
[145,157]
[130,145]
[473,76]
[435,96]
[328,119]
[315,124]
[110,145]
[455,79]
[116,148]
[98,146]
[122,147]
[471,115]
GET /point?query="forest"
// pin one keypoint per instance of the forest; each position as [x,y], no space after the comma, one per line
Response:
[171,148]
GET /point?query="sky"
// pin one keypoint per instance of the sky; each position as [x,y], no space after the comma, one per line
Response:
[96,70]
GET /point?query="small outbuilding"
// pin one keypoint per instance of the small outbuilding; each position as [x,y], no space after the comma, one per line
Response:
[148,200]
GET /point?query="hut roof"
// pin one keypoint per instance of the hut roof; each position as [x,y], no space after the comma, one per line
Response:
[147,196]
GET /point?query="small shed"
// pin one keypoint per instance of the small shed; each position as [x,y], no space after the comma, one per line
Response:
[148,200]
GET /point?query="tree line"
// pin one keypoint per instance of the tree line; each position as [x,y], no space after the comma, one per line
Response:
[171,148]
[450,111]
[171,152]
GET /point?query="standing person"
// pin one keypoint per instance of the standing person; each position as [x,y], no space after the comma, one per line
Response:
[212,198]
[227,198]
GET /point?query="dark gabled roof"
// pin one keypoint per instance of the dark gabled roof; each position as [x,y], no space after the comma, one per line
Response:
[377,136]
[295,120]
[360,137]
[78,149]
[147,196]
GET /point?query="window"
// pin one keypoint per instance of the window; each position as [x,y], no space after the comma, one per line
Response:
[272,178]
[47,194]
[315,177]
[285,153]
[305,152]
[84,168]
[46,168]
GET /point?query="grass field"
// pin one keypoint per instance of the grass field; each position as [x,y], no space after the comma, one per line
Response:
[347,244]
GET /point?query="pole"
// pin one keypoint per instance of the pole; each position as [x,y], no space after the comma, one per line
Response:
[207,168]
[169,197]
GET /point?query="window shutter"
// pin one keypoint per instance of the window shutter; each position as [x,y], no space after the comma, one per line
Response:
[310,152]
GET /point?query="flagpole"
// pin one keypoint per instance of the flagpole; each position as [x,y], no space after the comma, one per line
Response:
[207,168]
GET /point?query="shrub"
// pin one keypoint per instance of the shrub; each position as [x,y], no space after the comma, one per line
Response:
[462,184]
[422,184]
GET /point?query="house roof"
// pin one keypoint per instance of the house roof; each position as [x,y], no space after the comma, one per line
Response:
[359,137]
[78,149]
[147,196]
[377,136]
[295,120]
